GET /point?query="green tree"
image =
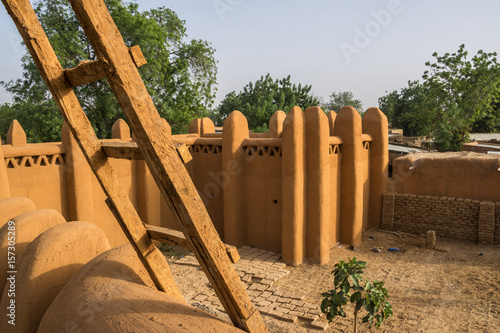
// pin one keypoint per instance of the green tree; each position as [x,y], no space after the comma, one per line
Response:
[38,120]
[180,74]
[349,286]
[489,123]
[260,100]
[410,109]
[464,92]
[343,98]
[388,104]
[457,95]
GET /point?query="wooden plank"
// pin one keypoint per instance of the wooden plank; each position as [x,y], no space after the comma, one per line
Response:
[91,71]
[137,56]
[122,150]
[86,72]
[130,151]
[166,235]
[165,165]
[233,253]
[183,152]
[53,74]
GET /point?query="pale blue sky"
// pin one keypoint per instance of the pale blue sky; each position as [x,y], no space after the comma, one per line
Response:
[365,46]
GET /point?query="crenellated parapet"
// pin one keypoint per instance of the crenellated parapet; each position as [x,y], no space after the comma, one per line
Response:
[313,180]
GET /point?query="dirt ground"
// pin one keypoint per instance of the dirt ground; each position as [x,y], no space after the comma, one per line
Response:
[430,291]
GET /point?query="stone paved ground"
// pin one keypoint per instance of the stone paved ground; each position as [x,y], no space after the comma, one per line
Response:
[259,270]
[430,291]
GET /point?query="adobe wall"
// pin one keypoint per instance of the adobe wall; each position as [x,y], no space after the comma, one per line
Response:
[298,189]
[454,194]
[496,233]
[457,218]
[38,175]
[462,175]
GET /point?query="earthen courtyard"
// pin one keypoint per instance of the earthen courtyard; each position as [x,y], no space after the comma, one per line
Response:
[430,291]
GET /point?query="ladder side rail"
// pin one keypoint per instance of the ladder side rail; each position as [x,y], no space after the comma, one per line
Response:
[52,72]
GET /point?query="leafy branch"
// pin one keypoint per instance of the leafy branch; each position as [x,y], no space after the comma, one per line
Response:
[349,286]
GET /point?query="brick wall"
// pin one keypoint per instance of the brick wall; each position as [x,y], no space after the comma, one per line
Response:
[458,218]
[497,223]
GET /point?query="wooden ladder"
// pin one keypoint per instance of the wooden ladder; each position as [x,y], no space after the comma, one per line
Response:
[118,64]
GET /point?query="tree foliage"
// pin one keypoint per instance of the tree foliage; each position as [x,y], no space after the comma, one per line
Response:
[180,73]
[343,98]
[464,92]
[349,286]
[457,95]
[260,100]
[410,109]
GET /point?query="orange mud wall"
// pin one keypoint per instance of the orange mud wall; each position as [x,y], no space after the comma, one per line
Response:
[464,175]
[299,189]
[455,194]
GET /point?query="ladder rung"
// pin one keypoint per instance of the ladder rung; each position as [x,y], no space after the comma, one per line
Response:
[86,72]
[183,152]
[130,151]
[92,71]
[122,150]
[166,235]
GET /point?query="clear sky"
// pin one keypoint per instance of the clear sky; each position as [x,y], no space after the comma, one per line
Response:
[364,46]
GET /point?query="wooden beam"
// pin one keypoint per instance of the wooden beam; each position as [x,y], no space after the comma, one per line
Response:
[53,74]
[86,72]
[164,163]
[91,71]
[137,56]
[122,150]
[130,151]
[166,235]
[183,152]
[232,253]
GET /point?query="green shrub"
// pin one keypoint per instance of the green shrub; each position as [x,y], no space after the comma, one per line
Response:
[349,286]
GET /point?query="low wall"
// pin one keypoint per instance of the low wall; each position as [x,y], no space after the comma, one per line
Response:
[496,233]
[455,194]
[462,175]
[481,147]
[313,180]
[457,218]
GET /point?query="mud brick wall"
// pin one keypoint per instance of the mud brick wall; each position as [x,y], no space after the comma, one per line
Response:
[311,181]
[486,222]
[457,218]
[497,224]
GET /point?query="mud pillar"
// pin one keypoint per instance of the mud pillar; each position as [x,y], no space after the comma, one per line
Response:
[207,126]
[120,130]
[235,131]
[4,180]
[195,127]
[16,135]
[293,241]
[147,193]
[348,127]
[276,124]
[318,179]
[331,121]
[78,178]
[375,124]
